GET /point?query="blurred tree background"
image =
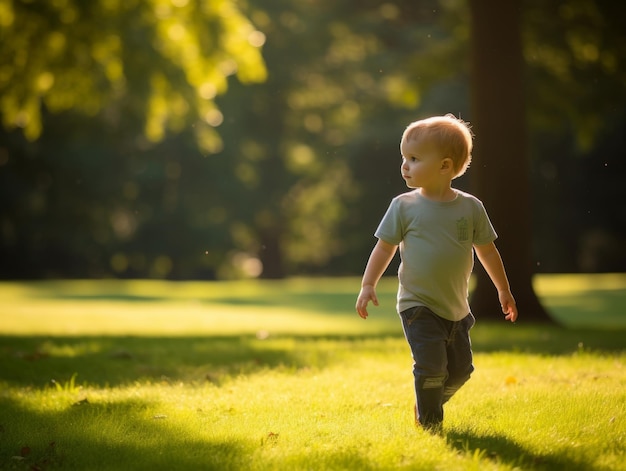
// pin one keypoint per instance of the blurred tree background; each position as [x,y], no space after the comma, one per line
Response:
[212,139]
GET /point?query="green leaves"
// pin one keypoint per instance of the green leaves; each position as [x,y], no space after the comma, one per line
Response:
[164,60]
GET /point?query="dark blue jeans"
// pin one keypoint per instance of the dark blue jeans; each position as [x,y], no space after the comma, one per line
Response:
[442,359]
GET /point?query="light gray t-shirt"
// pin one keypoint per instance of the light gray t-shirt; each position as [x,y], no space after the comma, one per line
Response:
[436,242]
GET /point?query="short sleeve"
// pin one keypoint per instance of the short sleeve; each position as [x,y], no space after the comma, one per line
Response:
[484,232]
[391,229]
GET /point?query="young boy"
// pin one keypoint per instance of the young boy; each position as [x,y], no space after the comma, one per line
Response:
[437,228]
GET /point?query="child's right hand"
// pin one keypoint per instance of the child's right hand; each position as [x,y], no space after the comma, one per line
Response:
[367,294]
[508,305]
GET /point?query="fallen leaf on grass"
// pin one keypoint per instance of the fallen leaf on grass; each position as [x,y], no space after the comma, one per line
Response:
[270,439]
[510,380]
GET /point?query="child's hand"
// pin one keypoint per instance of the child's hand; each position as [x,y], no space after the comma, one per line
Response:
[508,305]
[367,294]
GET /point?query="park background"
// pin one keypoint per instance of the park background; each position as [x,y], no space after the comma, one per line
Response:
[187,140]
[188,195]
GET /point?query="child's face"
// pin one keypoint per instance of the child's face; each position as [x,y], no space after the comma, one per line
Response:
[421,163]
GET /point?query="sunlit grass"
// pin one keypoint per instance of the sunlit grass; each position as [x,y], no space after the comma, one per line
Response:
[519,411]
[262,376]
[543,412]
[221,308]
[100,307]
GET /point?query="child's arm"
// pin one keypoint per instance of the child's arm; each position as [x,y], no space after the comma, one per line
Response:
[490,259]
[378,262]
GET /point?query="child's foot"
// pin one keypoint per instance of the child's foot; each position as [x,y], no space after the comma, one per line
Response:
[436,428]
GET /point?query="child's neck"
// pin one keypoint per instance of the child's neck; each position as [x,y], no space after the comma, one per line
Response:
[442,194]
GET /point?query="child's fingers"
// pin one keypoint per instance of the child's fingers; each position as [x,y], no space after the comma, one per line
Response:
[362,310]
[511,312]
[361,304]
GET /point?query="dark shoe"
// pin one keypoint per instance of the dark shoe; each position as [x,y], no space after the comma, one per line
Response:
[436,428]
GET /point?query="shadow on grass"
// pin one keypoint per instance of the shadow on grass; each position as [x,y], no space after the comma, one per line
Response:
[87,436]
[113,435]
[501,449]
[544,339]
[125,435]
[35,361]
[114,361]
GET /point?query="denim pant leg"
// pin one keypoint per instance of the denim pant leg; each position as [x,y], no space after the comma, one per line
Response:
[459,353]
[427,335]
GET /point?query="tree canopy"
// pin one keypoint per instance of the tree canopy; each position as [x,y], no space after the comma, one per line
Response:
[165,61]
[222,138]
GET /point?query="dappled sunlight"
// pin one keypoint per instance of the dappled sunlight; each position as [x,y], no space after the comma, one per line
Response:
[279,373]
[548,396]
[286,401]
[75,317]
[52,348]
[146,308]
[73,363]
[293,306]
[123,428]
[193,48]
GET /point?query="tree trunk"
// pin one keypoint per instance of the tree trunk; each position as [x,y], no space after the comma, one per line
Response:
[500,168]
[271,255]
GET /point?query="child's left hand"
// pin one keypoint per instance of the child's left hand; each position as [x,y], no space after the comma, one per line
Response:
[367,294]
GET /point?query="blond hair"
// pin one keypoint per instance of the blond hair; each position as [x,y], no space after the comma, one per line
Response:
[452,137]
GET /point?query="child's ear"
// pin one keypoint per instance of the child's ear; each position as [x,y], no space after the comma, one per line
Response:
[446,164]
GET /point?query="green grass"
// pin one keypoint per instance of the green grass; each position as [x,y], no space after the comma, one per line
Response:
[101,375]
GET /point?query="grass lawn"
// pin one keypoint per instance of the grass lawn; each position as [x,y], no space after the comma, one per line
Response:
[112,375]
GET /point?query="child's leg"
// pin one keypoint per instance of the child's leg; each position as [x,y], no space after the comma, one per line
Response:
[459,353]
[427,335]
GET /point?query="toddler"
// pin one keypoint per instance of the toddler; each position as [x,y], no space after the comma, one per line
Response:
[437,228]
